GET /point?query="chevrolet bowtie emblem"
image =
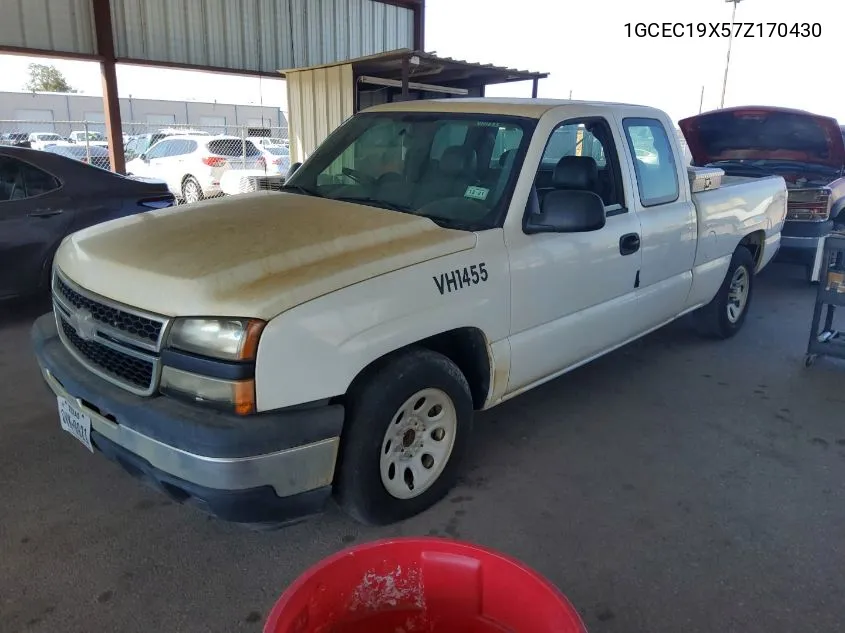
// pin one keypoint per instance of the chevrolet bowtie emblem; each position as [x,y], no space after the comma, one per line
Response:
[83,322]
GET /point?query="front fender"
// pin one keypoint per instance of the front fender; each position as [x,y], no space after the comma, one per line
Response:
[315,350]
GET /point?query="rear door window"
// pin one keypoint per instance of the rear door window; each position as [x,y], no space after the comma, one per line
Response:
[181,146]
[654,161]
[20,180]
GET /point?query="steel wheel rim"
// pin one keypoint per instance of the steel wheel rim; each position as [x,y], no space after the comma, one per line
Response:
[738,294]
[191,193]
[418,443]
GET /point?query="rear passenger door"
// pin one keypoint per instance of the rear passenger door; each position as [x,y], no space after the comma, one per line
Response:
[573,294]
[34,217]
[667,216]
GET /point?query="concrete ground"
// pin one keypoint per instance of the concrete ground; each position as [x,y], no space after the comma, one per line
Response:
[676,485]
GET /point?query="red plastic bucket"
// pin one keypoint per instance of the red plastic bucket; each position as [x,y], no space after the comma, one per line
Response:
[422,585]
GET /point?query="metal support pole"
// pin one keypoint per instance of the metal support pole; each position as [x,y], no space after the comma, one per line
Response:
[730,45]
[419,27]
[406,77]
[534,87]
[87,143]
[111,103]
[701,101]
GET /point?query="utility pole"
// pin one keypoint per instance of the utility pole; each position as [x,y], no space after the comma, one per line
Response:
[730,44]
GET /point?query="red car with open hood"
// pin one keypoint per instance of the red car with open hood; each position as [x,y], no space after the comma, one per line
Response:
[806,149]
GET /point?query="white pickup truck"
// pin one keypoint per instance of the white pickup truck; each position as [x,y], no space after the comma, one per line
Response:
[258,354]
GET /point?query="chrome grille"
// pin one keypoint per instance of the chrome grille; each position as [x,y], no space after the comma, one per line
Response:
[122,367]
[134,325]
[118,343]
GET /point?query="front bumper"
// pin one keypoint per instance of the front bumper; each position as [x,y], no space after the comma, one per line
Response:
[269,467]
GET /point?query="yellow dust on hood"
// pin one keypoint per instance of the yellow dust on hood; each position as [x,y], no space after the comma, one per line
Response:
[252,255]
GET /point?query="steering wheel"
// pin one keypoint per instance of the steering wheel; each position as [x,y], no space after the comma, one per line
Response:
[358,176]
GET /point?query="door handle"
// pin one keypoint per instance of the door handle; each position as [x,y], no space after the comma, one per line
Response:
[45,213]
[629,243]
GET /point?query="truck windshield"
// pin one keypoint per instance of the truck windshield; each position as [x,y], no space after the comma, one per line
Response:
[458,170]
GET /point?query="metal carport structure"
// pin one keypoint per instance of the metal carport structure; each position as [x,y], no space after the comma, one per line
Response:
[321,97]
[245,37]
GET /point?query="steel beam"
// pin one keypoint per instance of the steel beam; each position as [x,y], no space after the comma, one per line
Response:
[111,102]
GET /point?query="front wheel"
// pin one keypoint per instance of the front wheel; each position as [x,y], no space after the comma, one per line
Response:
[406,435]
[724,316]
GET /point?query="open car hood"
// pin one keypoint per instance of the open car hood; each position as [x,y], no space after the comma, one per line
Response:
[764,133]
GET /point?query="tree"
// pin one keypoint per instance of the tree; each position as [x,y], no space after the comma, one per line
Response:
[47,78]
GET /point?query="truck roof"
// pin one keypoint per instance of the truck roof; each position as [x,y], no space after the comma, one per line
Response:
[531,108]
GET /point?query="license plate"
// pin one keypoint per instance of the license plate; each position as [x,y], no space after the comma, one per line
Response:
[75,422]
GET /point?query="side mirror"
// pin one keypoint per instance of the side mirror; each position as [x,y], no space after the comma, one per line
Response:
[568,212]
[292,169]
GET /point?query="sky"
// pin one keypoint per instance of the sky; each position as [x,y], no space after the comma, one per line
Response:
[585,46]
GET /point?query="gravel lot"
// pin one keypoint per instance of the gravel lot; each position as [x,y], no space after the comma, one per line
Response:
[676,485]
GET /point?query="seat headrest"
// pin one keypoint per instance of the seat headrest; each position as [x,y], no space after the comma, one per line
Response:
[576,172]
[503,159]
[457,160]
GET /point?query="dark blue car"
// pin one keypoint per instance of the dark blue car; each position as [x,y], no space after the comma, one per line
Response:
[45,197]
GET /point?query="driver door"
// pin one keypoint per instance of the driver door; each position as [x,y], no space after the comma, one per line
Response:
[155,164]
[574,295]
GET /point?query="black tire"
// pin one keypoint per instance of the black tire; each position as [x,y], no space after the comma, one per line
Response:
[371,406]
[712,320]
[190,180]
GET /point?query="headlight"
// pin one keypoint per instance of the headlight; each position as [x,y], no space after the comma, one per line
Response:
[234,395]
[226,339]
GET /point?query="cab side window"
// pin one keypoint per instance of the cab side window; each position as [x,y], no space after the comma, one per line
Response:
[581,154]
[654,161]
[20,180]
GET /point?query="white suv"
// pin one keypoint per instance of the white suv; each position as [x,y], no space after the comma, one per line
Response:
[192,165]
[40,140]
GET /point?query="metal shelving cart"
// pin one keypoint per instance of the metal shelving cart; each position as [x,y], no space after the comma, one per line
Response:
[824,339]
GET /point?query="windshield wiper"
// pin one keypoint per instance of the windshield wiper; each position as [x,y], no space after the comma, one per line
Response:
[303,190]
[374,201]
[447,224]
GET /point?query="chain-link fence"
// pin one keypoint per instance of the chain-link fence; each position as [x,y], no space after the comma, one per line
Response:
[196,161]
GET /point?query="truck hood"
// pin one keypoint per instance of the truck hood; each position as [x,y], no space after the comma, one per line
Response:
[253,255]
[764,133]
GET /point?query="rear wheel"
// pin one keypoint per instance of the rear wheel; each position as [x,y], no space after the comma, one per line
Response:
[191,190]
[724,316]
[405,438]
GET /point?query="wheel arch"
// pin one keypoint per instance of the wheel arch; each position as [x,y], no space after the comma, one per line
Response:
[755,243]
[467,347]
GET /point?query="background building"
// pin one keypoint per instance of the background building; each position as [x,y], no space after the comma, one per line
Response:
[59,112]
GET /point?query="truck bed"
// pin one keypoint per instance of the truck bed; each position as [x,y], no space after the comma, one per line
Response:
[740,205]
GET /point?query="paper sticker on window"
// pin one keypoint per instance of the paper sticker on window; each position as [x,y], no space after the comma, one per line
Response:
[476,193]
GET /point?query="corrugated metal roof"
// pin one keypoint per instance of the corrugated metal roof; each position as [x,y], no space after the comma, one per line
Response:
[389,64]
[66,25]
[256,35]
